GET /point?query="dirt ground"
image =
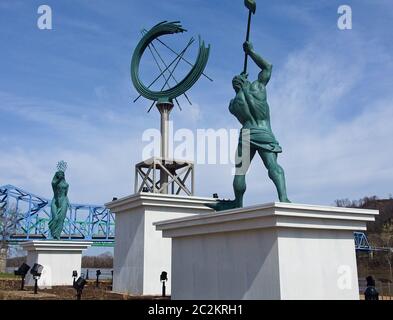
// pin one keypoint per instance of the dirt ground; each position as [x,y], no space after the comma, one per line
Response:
[10,290]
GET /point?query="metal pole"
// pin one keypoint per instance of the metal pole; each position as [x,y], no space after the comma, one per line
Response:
[247,39]
[163,289]
[192,179]
[154,175]
[112,277]
[136,180]
[35,286]
[22,287]
[165,109]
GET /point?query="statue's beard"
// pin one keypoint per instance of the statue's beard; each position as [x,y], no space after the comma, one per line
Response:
[237,87]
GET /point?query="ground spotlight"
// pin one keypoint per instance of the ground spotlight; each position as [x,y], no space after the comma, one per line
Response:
[36,272]
[163,279]
[78,286]
[74,275]
[215,195]
[22,271]
[98,273]
[371,292]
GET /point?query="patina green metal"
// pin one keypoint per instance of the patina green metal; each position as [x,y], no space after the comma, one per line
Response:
[60,202]
[251,108]
[165,28]
[251,5]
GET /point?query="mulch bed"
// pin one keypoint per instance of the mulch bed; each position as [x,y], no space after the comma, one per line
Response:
[9,290]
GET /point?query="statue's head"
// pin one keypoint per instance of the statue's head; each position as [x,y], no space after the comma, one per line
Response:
[60,174]
[61,168]
[239,81]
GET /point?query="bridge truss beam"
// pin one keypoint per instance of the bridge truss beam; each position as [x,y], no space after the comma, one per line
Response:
[30,215]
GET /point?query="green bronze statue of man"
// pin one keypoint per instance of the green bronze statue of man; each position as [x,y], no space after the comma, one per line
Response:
[251,108]
[60,202]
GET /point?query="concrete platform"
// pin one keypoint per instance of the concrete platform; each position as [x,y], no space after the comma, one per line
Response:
[59,259]
[270,251]
[141,253]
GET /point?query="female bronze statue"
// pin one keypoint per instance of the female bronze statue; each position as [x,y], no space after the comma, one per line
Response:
[60,203]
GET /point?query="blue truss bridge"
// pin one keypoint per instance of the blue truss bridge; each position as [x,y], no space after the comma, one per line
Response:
[362,243]
[27,216]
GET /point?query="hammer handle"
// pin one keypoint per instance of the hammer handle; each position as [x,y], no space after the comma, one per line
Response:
[247,38]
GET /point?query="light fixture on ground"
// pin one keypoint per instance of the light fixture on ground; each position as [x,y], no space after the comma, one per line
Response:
[79,285]
[74,275]
[98,273]
[22,271]
[163,279]
[36,272]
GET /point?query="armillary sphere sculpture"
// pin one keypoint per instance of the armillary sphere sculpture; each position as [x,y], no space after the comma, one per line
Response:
[170,91]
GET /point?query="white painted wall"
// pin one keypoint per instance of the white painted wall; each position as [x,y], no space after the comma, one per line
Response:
[226,266]
[129,252]
[317,264]
[58,267]
[157,253]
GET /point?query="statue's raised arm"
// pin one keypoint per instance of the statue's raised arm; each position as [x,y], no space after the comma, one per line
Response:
[266,67]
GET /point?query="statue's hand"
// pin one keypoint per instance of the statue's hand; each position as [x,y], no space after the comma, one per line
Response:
[248,47]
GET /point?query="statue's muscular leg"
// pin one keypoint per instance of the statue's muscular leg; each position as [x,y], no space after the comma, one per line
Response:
[276,173]
[243,159]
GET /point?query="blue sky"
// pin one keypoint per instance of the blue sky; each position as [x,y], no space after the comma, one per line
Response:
[66,94]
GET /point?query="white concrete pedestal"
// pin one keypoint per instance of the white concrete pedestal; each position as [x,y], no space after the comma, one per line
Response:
[140,253]
[271,251]
[59,259]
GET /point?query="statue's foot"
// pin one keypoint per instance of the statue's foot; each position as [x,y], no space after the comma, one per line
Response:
[285,200]
[222,205]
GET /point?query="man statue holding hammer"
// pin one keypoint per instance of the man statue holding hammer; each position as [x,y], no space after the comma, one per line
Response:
[251,108]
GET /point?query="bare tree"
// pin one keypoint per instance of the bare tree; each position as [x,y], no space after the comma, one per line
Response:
[8,221]
[3,243]
[387,241]
[343,203]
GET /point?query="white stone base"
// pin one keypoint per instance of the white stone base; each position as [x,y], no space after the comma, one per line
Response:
[59,259]
[271,251]
[140,253]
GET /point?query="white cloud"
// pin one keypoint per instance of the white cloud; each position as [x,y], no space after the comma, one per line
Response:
[332,148]
[100,149]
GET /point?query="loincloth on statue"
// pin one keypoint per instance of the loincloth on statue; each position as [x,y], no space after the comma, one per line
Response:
[258,139]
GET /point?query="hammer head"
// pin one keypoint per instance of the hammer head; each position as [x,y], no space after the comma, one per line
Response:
[251,5]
